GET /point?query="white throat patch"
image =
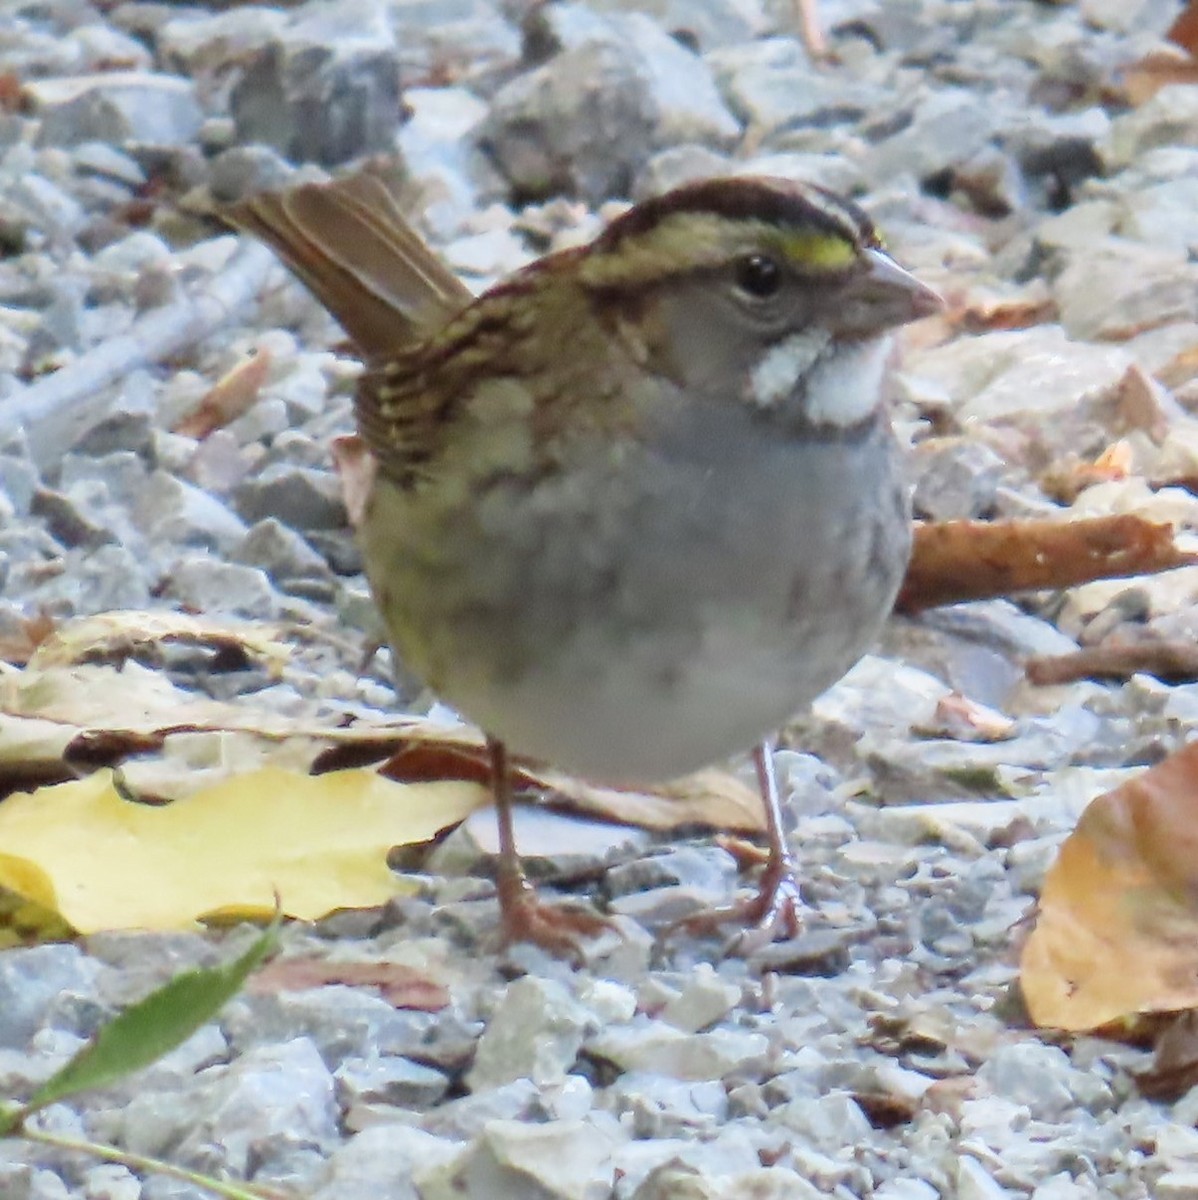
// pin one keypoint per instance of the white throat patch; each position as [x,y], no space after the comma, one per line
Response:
[841,383]
[846,386]
[782,366]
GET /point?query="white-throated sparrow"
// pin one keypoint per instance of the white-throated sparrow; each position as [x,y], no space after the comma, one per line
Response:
[640,502]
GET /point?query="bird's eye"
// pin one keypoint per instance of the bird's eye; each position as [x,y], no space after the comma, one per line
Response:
[759,275]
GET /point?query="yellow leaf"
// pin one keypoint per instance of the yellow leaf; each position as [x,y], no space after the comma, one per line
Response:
[321,843]
[23,923]
[27,880]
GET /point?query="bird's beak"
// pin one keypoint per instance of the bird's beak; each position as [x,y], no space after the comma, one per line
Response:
[882,297]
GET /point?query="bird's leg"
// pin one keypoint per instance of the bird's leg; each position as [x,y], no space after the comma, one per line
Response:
[812,31]
[776,911]
[524,918]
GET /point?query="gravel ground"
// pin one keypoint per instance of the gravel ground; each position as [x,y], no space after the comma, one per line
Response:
[882,1055]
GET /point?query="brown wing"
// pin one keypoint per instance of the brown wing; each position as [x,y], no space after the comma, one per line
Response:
[351,245]
[425,341]
[406,403]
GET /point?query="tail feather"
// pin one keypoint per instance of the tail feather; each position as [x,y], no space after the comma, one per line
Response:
[349,243]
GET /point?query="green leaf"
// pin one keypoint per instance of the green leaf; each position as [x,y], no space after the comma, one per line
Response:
[152,1027]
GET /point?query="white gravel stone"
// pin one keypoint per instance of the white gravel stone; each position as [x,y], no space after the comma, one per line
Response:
[1170,118]
[1036,1076]
[668,1051]
[974,1182]
[569,1160]
[683,1183]
[202,583]
[1007,374]
[34,978]
[1176,1185]
[1064,1187]
[732,1152]
[383,1163]
[119,106]
[110,1182]
[394,1081]
[828,1122]
[705,999]
[535,1033]
[611,1002]
[906,1189]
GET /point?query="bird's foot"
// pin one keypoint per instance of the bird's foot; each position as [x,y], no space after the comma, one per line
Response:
[559,930]
[774,913]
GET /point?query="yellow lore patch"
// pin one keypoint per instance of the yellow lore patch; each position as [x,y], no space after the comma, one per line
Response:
[822,251]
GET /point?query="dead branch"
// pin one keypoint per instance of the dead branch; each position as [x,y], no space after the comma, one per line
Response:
[53,411]
[979,560]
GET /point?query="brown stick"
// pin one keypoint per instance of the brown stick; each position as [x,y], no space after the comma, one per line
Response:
[978,560]
[1175,662]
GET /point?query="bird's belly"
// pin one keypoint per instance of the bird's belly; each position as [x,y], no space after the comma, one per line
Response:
[637,719]
[638,631]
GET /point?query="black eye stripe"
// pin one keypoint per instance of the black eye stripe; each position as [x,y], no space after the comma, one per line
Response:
[759,275]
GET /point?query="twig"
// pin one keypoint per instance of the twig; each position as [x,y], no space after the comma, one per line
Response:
[55,408]
[1174,662]
[143,1164]
[978,560]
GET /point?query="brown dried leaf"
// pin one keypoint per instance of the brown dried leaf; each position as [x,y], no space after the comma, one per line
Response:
[748,854]
[56,721]
[1160,69]
[1117,930]
[1180,369]
[712,797]
[950,1095]
[965,720]
[979,314]
[20,646]
[12,93]
[233,395]
[886,1110]
[460,754]
[1175,1065]
[401,986]
[100,699]
[975,560]
[928,1033]
[1184,31]
[1066,480]
[120,633]
[1142,403]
